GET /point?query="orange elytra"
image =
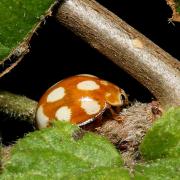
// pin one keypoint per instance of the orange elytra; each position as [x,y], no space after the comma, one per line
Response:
[79,99]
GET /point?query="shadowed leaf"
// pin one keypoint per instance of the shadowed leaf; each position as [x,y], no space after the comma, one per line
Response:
[18,21]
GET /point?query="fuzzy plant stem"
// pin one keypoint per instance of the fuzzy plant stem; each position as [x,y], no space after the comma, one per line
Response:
[17,107]
[125,46]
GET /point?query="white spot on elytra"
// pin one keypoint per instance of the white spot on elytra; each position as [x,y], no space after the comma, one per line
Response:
[56,94]
[41,118]
[104,82]
[88,85]
[90,106]
[63,113]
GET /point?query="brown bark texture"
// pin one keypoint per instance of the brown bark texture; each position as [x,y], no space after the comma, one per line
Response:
[125,46]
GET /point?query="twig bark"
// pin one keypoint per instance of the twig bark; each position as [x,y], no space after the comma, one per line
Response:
[133,52]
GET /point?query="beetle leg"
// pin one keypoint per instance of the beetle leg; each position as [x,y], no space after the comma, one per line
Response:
[115,112]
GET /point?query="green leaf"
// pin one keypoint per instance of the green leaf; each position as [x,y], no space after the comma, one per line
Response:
[163,139]
[4,51]
[162,169]
[17,19]
[161,147]
[103,173]
[63,151]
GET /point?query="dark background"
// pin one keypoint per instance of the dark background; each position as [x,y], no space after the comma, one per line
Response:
[56,53]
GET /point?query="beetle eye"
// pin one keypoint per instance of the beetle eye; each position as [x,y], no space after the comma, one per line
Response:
[123,98]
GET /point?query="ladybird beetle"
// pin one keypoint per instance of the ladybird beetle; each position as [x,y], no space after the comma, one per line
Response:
[79,99]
